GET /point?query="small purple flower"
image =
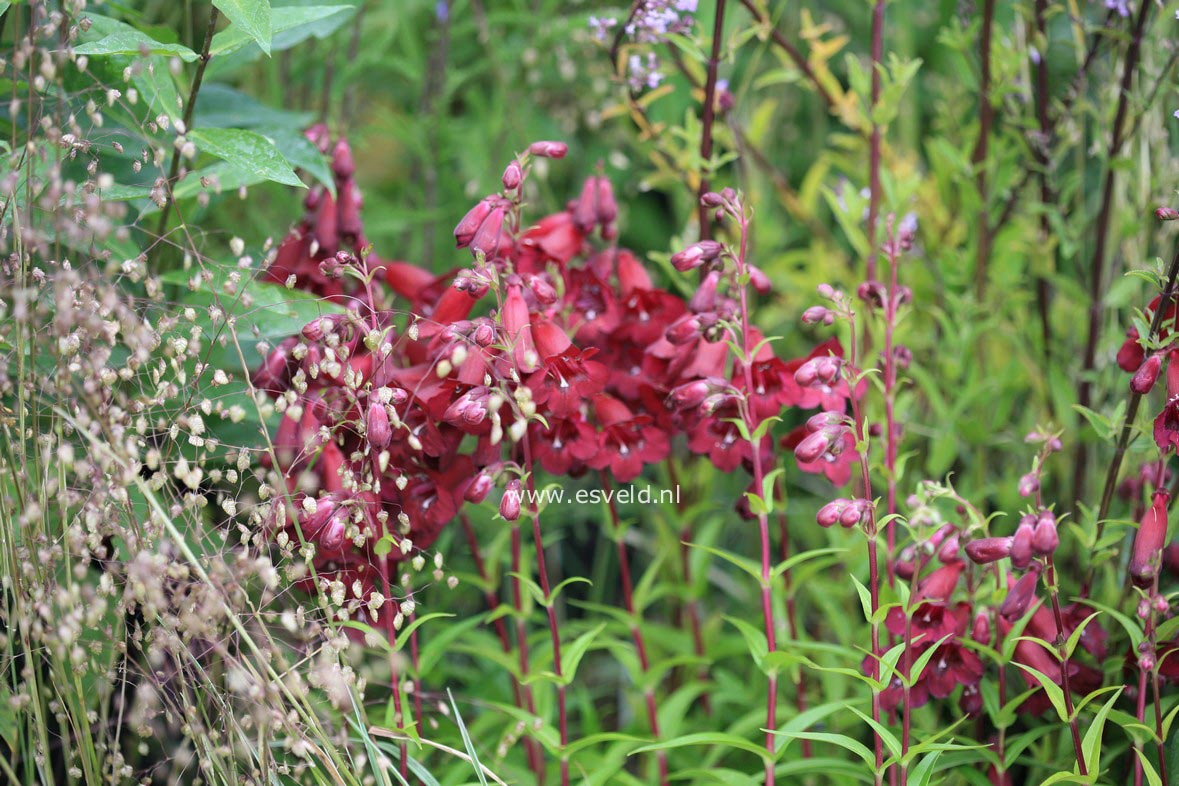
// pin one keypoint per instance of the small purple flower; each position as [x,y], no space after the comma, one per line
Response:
[1121,6]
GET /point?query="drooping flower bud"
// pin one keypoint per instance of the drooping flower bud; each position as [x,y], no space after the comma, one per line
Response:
[689,395]
[343,166]
[377,428]
[509,504]
[479,488]
[949,551]
[1148,542]
[1029,484]
[696,255]
[1020,596]
[1166,214]
[987,550]
[760,281]
[1146,375]
[1044,537]
[332,536]
[813,447]
[845,512]
[547,149]
[816,314]
[545,293]
[464,233]
[685,330]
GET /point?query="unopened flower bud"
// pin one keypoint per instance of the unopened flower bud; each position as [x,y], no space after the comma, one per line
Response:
[546,149]
[1146,375]
[509,504]
[684,330]
[1021,544]
[689,395]
[479,488]
[377,428]
[816,314]
[1166,214]
[512,176]
[1044,537]
[1148,542]
[1020,596]
[342,165]
[696,255]
[760,281]
[1029,484]
[543,290]
[464,233]
[825,419]
[712,199]
[987,550]
[949,551]
[813,447]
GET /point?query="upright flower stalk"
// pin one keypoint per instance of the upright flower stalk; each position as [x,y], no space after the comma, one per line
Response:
[733,205]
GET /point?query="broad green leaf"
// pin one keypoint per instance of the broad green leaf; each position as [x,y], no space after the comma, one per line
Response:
[133,42]
[1055,694]
[246,150]
[252,17]
[222,106]
[288,26]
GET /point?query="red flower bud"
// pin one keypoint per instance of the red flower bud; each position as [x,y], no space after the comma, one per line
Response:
[986,550]
[512,176]
[1044,536]
[509,504]
[486,240]
[816,314]
[689,395]
[479,488]
[1146,375]
[684,330]
[464,233]
[813,447]
[377,427]
[1166,214]
[696,255]
[343,166]
[760,281]
[1148,542]
[544,291]
[1020,596]
[547,149]
[1029,484]
[1021,544]
[949,550]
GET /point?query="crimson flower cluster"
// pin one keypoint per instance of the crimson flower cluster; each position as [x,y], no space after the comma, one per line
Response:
[554,348]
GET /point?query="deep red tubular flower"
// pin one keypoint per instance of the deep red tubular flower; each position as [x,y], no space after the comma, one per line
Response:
[939,585]
[1146,555]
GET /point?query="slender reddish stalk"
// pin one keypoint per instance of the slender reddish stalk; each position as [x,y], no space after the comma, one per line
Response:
[522,641]
[636,621]
[792,628]
[707,116]
[874,140]
[906,711]
[550,606]
[873,567]
[986,114]
[1097,263]
[1062,653]
[763,524]
[892,433]
[1042,99]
